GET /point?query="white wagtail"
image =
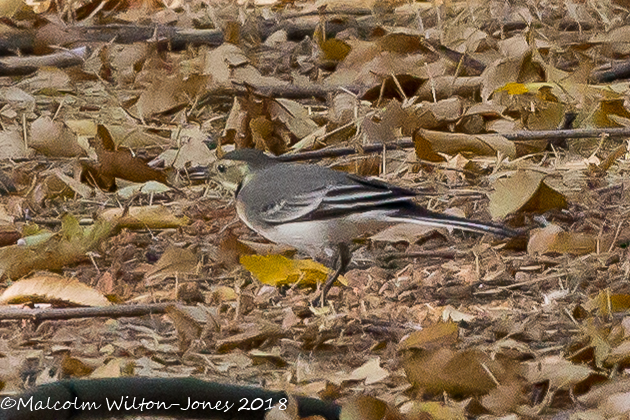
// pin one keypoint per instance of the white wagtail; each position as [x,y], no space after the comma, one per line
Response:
[318,210]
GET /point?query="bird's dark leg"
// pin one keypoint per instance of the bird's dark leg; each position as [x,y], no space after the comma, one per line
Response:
[342,259]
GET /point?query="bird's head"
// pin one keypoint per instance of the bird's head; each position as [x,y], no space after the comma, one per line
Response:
[236,167]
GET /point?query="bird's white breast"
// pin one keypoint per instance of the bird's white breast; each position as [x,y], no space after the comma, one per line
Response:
[317,237]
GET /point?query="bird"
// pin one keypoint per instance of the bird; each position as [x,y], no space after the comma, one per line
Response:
[319,211]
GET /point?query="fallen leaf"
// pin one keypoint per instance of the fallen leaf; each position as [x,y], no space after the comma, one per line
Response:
[277,270]
[560,373]
[553,238]
[430,143]
[54,139]
[524,191]
[52,288]
[436,336]
[145,217]
[371,372]
[66,248]
[173,261]
[364,407]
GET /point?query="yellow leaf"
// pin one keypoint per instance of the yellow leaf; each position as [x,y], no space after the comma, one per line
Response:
[277,270]
[514,88]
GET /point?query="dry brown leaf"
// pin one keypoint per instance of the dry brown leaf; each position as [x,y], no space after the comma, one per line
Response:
[434,410]
[335,49]
[220,62]
[8,235]
[9,7]
[51,288]
[619,355]
[17,95]
[371,372]
[498,74]
[608,162]
[436,336]
[236,126]
[608,303]
[174,261]
[263,135]
[433,115]
[293,115]
[128,135]
[81,189]
[599,393]
[147,217]
[617,39]
[342,109]
[553,238]
[169,93]
[386,126]
[192,151]
[12,144]
[609,107]
[369,67]
[429,143]
[504,399]
[403,41]
[467,372]
[560,373]
[251,338]
[524,191]
[124,60]
[267,248]
[616,405]
[262,357]
[48,81]
[117,163]
[76,368]
[11,368]
[187,327]
[231,249]
[368,408]
[111,369]
[66,248]
[444,87]
[54,139]
[546,115]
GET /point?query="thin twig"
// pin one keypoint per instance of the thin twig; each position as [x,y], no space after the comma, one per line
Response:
[519,284]
[39,315]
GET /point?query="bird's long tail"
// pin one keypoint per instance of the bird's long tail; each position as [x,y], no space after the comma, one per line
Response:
[420,215]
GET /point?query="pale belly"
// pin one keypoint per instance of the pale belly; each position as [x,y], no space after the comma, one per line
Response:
[319,238]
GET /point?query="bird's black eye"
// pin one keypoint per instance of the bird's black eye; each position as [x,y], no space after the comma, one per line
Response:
[221,168]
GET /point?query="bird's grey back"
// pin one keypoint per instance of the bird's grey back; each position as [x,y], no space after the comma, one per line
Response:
[278,183]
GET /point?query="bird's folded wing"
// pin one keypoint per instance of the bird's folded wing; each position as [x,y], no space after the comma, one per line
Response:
[335,201]
[295,207]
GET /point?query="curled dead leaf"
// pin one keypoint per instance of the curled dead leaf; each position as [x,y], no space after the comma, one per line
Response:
[51,288]
[553,238]
[524,191]
[430,143]
[151,217]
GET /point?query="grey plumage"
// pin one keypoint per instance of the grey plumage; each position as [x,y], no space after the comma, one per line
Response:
[319,210]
